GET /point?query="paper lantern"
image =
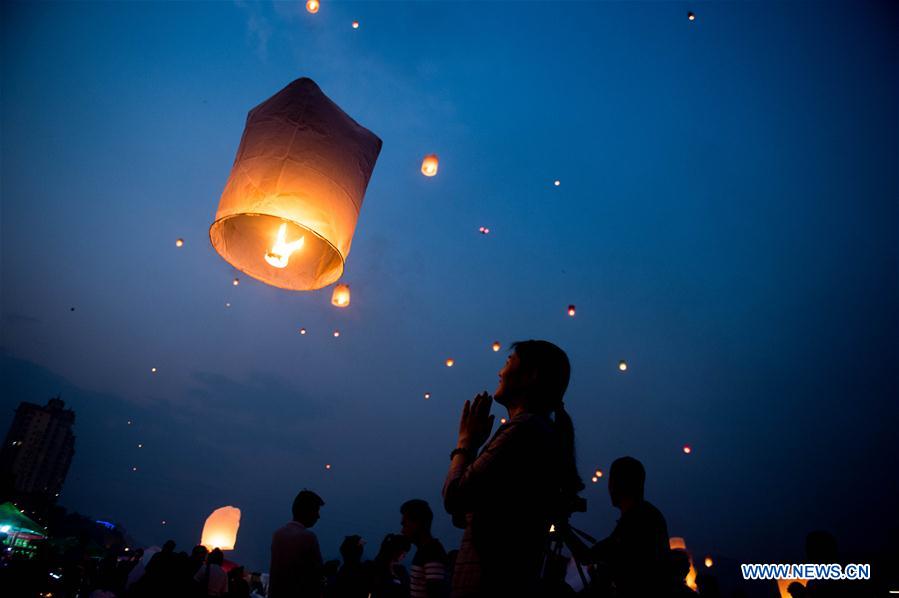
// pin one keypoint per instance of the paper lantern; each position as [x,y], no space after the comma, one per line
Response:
[290,206]
[622,365]
[708,561]
[134,469]
[571,310]
[687,449]
[557,183]
[598,473]
[691,16]
[496,346]
[327,466]
[302,331]
[312,6]
[355,24]
[140,445]
[236,281]
[220,530]
[227,304]
[427,396]
[502,420]
[341,296]
[594,479]
[429,165]
[152,370]
[336,333]
[484,230]
[179,242]
[450,363]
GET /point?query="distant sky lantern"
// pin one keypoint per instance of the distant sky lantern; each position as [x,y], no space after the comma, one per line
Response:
[336,333]
[129,422]
[152,370]
[708,561]
[598,473]
[140,445]
[427,396]
[594,479]
[557,182]
[341,296]
[179,242]
[691,16]
[484,230]
[327,466]
[134,469]
[622,365]
[236,281]
[227,304]
[429,165]
[687,449]
[312,6]
[220,530]
[355,24]
[502,420]
[496,346]
[571,310]
[302,331]
[450,363]
[290,206]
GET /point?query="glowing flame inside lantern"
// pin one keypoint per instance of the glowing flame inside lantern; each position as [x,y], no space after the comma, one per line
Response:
[708,561]
[496,346]
[341,296]
[450,363]
[687,449]
[280,253]
[571,311]
[220,529]
[312,6]
[429,165]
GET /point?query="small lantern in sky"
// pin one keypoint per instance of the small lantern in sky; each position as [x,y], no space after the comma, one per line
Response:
[429,165]
[691,16]
[496,346]
[484,230]
[598,473]
[450,363]
[427,396]
[594,479]
[709,562]
[129,422]
[502,420]
[341,295]
[687,449]
[289,210]
[336,333]
[152,370]
[140,445]
[134,469]
[302,331]
[163,523]
[622,365]
[557,182]
[236,281]
[327,466]
[227,304]
[571,310]
[312,6]
[355,24]
[179,242]
[220,530]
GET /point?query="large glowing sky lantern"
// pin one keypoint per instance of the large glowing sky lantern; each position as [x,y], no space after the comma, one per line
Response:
[290,206]
[220,530]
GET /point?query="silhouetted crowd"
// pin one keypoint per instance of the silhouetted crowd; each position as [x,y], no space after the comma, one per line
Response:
[512,491]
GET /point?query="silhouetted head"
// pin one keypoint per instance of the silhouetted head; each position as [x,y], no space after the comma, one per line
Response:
[393,549]
[626,480]
[796,590]
[535,375]
[351,549]
[821,547]
[306,507]
[169,546]
[199,553]
[416,520]
[330,569]
[678,564]
[216,557]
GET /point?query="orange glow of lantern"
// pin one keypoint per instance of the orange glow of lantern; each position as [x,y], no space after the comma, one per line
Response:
[312,6]
[289,209]
[355,24]
[677,543]
[502,420]
[341,296]
[429,165]
[450,363]
[783,584]
[691,16]
[220,529]
[571,310]
[708,561]
[594,479]
[302,331]
[496,346]
[179,242]
[687,449]
[598,473]
[622,365]
[336,333]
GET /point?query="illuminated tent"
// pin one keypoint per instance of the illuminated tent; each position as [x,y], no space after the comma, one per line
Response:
[220,530]
[290,206]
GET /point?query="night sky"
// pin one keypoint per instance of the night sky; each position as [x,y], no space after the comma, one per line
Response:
[726,222]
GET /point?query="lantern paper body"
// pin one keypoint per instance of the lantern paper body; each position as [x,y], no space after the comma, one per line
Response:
[220,530]
[341,296]
[429,165]
[300,174]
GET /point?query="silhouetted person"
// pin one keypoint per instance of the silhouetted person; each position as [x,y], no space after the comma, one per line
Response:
[162,571]
[523,479]
[636,553]
[237,584]
[679,567]
[212,577]
[427,577]
[352,577]
[296,566]
[389,579]
[821,549]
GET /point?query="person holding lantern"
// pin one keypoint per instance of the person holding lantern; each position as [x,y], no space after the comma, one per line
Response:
[523,480]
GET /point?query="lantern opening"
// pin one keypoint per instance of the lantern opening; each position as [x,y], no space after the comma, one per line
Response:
[247,242]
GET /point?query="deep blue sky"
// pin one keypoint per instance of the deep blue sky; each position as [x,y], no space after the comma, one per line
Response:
[726,222]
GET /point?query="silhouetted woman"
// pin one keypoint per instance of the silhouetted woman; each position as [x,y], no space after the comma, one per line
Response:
[523,479]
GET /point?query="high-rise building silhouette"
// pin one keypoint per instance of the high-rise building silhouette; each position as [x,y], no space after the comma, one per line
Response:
[38,450]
